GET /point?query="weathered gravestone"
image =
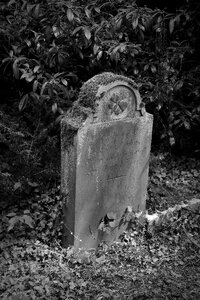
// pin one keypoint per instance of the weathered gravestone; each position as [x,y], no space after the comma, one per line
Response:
[106,142]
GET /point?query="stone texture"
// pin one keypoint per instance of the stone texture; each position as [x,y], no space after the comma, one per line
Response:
[105,159]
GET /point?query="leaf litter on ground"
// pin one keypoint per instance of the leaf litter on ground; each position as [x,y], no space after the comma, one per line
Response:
[160,260]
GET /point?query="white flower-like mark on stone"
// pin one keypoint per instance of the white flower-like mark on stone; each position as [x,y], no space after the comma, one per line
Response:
[118,106]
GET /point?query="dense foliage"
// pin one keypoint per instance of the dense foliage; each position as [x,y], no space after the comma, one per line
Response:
[48,48]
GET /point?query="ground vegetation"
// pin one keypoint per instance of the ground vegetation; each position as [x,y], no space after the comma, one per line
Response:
[48,49]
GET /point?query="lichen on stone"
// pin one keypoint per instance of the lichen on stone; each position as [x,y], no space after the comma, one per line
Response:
[88,91]
[88,100]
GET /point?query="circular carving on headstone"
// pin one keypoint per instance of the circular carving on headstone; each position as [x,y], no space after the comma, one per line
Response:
[108,97]
[119,103]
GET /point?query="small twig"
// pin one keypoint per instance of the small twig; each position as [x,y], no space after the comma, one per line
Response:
[32,142]
[60,256]
[190,238]
[10,131]
[58,244]
[191,210]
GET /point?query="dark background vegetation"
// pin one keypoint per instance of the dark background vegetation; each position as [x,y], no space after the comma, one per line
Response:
[48,48]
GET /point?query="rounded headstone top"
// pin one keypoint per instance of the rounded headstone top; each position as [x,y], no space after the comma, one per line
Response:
[107,97]
[91,89]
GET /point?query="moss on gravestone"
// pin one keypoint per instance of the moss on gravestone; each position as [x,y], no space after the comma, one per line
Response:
[87,101]
[88,91]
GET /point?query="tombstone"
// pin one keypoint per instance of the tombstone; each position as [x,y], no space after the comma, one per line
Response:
[105,142]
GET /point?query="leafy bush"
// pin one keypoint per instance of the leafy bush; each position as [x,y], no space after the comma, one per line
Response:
[50,47]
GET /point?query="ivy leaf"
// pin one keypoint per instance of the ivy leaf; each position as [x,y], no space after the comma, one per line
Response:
[39,289]
[37,10]
[172,141]
[80,54]
[64,81]
[33,184]
[12,222]
[70,14]
[95,49]
[186,125]
[87,12]
[87,33]
[17,185]
[72,285]
[12,214]
[29,8]
[97,9]
[28,221]
[36,68]
[178,85]
[111,216]
[54,108]
[35,85]
[99,55]
[171,25]
[153,69]
[135,23]
[44,86]
[16,70]
[101,259]
[11,2]
[101,226]
[15,66]
[23,102]
[77,29]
